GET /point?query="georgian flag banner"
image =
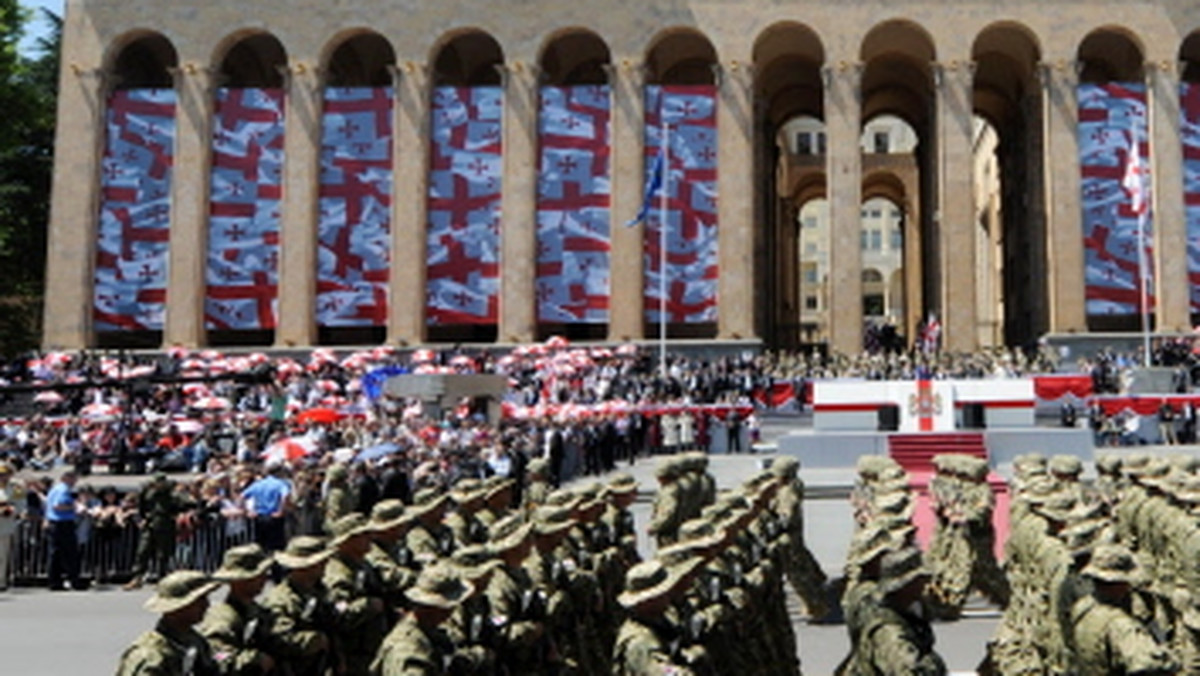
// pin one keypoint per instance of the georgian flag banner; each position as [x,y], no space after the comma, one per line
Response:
[1112,121]
[354,227]
[691,269]
[1189,110]
[243,235]
[573,217]
[463,239]
[133,236]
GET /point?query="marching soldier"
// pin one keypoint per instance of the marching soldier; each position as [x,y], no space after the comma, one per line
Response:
[429,540]
[173,647]
[539,485]
[301,616]
[497,500]
[388,554]
[1107,639]
[648,642]
[518,608]
[340,500]
[801,566]
[471,627]
[668,503]
[356,593]
[897,640]
[419,644]
[466,527]
[238,629]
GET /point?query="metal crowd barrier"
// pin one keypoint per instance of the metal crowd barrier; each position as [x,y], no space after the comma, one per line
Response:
[109,555]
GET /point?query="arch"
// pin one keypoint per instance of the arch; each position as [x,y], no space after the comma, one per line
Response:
[467,57]
[872,276]
[682,56]
[883,184]
[1006,55]
[574,56]
[142,59]
[1110,54]
[900,137]
[898,38]
[787,61]
[251,58]
[1189,56]
[359,57]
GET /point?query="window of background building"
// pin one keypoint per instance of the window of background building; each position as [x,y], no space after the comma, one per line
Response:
[820,143]
[810,275]
[810,302]
[876,240]
[804,143]
[810,222]
[897,239]
[873,305]
[881,142]
[865,240]
[810,248]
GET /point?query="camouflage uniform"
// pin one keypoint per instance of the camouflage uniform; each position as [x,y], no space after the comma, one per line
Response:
[668,504]
[894,640]
[170,650]
[301,618]
[339,501]
[356,592]
[799,564]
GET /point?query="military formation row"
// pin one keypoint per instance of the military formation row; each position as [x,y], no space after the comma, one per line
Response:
[555,586]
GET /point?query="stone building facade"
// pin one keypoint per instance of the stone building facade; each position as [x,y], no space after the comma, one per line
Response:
[1021,65]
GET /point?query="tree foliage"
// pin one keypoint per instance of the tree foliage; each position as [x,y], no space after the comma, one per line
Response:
[28,91]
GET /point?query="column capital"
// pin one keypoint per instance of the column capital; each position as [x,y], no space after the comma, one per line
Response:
[518,71]
[955,71]
[848,72]
[1063,72]
[299,72]
[208,79]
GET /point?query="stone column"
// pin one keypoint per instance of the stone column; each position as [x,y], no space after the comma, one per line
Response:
[518,222]
[843,128]
[1173,288]
[190,198]
[736,295]
[296,324]
[1065,223]
[955,218]
[410,202]
[626,148]
[74,209]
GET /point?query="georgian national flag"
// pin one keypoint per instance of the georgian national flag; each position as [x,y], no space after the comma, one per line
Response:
[1113,152]
[133,234]
[573,205]
[243,240]
[690,282]
[463,237]
[354,228]
[1189,111]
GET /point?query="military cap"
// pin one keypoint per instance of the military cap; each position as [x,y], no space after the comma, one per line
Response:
[785,466]
[1057,507]
[337,472]
[623,482]
[1029,464]
[565,498]
[1039,490]
[1135,463]
[1154,474]
[551,520]
[426,500]
[467,490]
[303,551]
[509,532]
[869,543]
[1083,536]
[1186,464]
[180,590]
[1187,490]
[717,512]
[975,468]
[538,466]
[1108,463]
[894,502]
[439,586]
[947,463]
[475,561]
[388,514]
[668,468]
[495,485]
[700,535]
[246,562]
[869,466]
[899,568]
[653,579]
[1114,563]
[349,526]
[1065,464]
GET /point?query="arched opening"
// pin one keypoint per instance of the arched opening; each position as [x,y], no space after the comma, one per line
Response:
[1011,258]
[1189,106]
[899,161]
[574,229]
[462,280]
[354,239]
[133,228]
[1113,123]
[882,244]
[680,285]
[242,301]
[812,282]
[364,59]
[790,145]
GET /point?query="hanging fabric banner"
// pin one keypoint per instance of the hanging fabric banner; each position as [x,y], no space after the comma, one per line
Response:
[133,235]
[573,205]
[1189,127]
[243,235]
[354,228]
[1112,121]
[463,240]
[691,261]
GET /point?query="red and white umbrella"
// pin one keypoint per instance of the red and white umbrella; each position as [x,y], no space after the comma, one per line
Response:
[422,356]
[188,426]
[100,412]
[48,397]
[212,404]
[287,450]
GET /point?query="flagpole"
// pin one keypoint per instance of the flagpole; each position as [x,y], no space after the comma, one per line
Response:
[1143,296]
[662,240]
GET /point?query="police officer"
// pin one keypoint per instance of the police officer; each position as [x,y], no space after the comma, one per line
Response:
[173,647]
[239,629]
